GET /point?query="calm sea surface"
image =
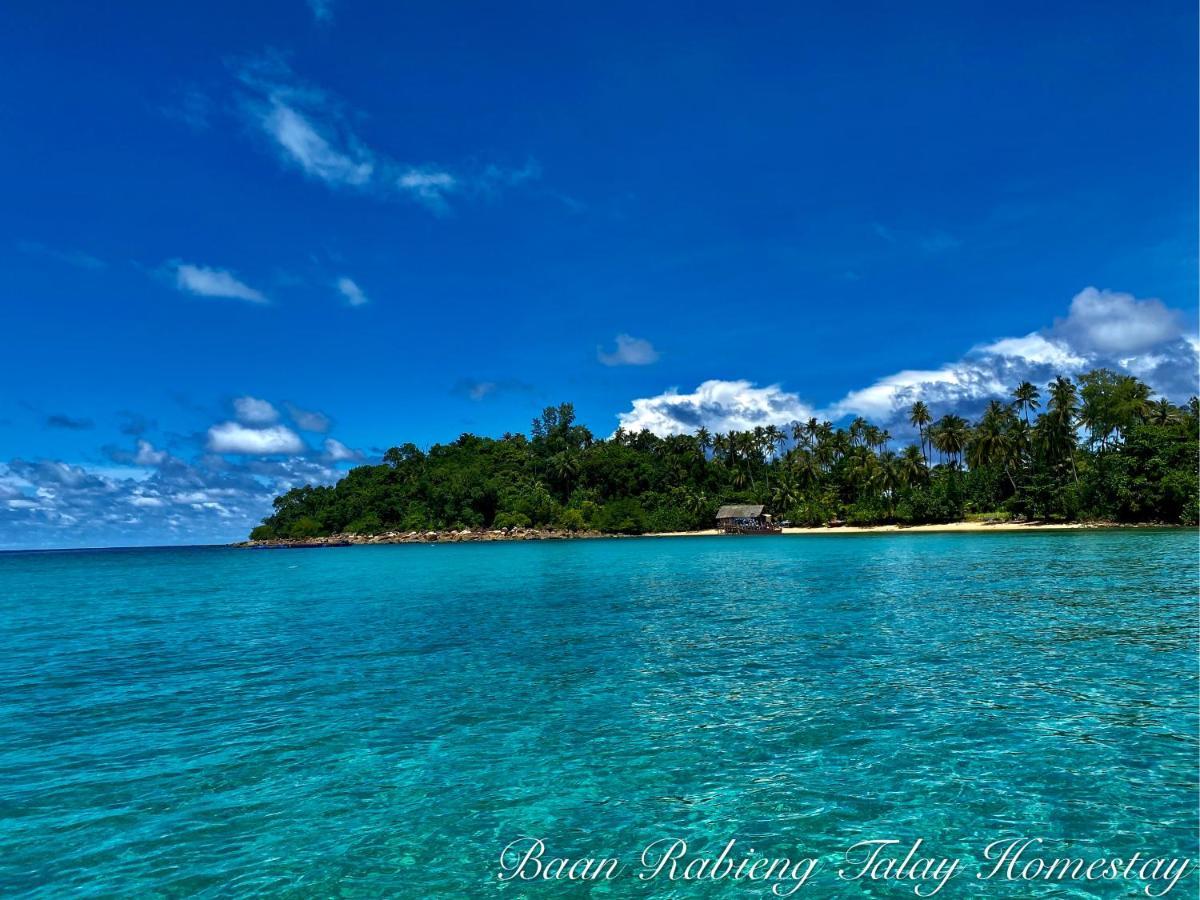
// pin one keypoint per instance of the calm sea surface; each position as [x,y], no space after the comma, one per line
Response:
[382,720]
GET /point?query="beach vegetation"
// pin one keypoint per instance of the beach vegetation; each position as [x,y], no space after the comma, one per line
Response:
[1099,448]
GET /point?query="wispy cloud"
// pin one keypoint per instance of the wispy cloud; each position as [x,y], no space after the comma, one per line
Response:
[70,257]
[208,282]
[191,107]
[59,420]
[312,132]
[630,351]
[322,10]
[430,187]
[475,389]
[928,242]
[352,292]
[315,148]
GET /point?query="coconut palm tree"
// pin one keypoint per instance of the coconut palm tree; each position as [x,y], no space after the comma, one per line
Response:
[786,495]
[950,437]
[704,439]
[912,466]
[1162,412]
[805,468]
[919,418]
[1025,398]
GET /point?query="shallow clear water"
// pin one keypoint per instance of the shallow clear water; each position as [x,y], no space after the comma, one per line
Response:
[382,720]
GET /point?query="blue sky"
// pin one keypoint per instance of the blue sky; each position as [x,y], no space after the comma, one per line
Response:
[399,222]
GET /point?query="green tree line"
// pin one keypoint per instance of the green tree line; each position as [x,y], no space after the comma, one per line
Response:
[1099,448]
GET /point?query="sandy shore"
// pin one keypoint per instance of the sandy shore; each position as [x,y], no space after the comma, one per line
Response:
[949,526]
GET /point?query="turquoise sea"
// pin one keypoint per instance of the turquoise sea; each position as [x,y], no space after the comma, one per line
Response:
[381,721]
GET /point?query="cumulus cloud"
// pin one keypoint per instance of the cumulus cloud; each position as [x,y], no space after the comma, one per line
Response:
[352,292]
[1102,329]
[252,411]
[148,455]
[312,132]
[309,420]
[1110,322]
[234,437]
[718,406]
[209,282]
[336,451]
[49,503]
[630,351]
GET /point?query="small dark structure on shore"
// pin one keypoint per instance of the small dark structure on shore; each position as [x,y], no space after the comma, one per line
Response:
[734,519]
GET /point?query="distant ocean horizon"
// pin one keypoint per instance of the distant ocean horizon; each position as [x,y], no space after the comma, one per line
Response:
[384,720]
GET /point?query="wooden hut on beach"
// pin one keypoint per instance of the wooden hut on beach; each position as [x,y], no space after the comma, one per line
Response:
[747,519]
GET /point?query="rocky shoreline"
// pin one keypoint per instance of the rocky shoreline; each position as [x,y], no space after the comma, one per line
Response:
[484,535]
[451,536]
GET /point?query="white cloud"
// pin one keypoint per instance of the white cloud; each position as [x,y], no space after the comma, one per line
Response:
[147,455]
[481,389]
[630,351]
[252,411]
[1036,349]
[1102,329]
[717,405]
[1117,323]
[430,187]
[51,503]
[310,131]
[336,451]
[233,437]
[208,282]
[309,420]
[303,143]
[352,292]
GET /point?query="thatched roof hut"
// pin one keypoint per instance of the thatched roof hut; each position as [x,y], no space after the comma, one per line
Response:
[733,511]
[747,518]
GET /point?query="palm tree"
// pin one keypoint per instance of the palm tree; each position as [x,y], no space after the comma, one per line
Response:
[786,495]
[1059,436]
[1025,398]
[912,466]
[805,468]
[563,468]
[1064,400]
[919,417]
[950,437]
[1162,412]
[991,444]
[704,439]
[863,471]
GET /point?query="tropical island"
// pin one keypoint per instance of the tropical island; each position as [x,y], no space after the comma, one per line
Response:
[1099,449]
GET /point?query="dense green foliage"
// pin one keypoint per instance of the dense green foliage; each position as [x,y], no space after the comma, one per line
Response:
[1101,450]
